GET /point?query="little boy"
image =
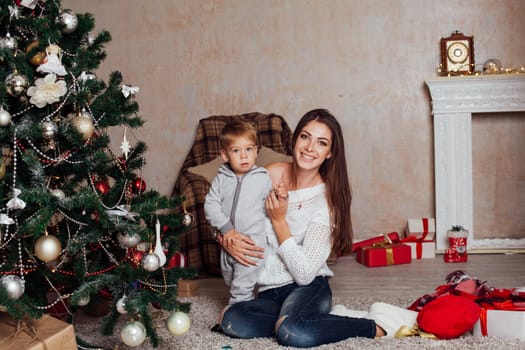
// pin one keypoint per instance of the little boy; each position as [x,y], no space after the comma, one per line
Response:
[236,204]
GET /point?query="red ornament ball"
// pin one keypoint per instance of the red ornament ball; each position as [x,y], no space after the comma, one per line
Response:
[177,260]
[138,186]
[102,187]
[135,257]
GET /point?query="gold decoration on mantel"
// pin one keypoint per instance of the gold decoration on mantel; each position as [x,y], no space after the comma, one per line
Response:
[490,67]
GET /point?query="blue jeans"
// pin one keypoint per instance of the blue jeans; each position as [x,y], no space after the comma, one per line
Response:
[305,310]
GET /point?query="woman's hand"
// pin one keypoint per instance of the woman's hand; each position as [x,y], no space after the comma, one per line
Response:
[241,248]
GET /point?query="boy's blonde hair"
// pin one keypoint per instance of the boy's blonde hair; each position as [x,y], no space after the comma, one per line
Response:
[235,129]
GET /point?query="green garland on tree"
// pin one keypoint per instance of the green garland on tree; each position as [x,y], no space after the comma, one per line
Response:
[77,222]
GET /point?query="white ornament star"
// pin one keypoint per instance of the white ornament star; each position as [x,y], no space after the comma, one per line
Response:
[125,147]
[13,12]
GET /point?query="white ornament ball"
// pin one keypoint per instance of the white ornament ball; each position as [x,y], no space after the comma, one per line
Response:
[5,117]
[83,301]
[133,333]
[70,21]
[8,42]
[150,262]
[121,305]
[48,248]
[13,285]
[178,323]
[128,241]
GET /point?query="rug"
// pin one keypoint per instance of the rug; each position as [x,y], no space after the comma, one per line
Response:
[205,310]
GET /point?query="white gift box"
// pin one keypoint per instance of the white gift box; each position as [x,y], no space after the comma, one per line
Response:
[502,323]
[418,228]
[428,249]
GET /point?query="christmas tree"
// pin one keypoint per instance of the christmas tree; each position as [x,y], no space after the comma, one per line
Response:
[78,224]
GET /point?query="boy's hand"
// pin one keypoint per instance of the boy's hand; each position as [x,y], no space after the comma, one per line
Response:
[280,191]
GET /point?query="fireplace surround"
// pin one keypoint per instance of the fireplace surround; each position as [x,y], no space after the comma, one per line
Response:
[454,100]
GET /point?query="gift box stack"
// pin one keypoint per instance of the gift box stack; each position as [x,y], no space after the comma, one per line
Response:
[45,333]
[419,235]
[382,250]
[505,319]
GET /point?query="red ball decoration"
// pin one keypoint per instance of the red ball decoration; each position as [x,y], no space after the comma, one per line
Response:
[135,257]
[138,186]
[102,187]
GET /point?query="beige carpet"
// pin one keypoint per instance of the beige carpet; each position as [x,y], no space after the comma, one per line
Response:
[205,311]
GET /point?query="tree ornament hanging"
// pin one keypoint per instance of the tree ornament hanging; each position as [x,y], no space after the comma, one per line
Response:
[84,301]
[48,248]
[187,217]
[16,84]
[38,57]
[13,285]
[58,193]
[128,241]
[83,124]
[5,117]
[47,90]
[178,323]
[102,187]
[138,185]
[150,262]
[69,20]
[88,39]
[52,63]
[133,333]
[8,42]
[49,129]
[121,305]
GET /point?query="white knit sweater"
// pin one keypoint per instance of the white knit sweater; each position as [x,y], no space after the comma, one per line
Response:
[303,256]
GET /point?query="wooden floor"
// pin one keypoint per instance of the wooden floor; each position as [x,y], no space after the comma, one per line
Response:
[415,279]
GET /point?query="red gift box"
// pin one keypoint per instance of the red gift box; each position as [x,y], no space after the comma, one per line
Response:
[384,255]
[392,236]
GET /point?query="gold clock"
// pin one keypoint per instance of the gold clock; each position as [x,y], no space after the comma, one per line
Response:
[457,54]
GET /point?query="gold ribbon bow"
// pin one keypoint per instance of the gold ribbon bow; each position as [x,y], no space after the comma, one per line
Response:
[406,331]
[387,244]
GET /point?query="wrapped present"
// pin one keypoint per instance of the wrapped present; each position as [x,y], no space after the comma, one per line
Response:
[421,228]
[500,323]
[188,288]
[421,249]
[384,254]
[45,333]
[392,237]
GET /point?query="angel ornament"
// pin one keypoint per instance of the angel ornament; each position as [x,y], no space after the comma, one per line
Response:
[53,61]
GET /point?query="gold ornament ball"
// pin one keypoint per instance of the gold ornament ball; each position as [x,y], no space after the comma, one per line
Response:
[84,125]
[178,323]
[48,248]
[49,130]
[16,84]
[38,57]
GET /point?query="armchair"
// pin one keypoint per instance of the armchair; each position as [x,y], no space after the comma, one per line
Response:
[200,167]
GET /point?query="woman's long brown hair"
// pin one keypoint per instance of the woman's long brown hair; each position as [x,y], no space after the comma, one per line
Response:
[335,175]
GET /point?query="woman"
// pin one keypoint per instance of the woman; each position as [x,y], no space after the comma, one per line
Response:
[309,221]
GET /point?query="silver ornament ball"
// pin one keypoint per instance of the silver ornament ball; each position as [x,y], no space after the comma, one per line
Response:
[16,84]
[150,262]
[13,285]
[48,248]
[8,42]
[133,333]
[128,241]
[178,323]
[187,219]
[5,117]
[69,19]
[49,129]
[492,65]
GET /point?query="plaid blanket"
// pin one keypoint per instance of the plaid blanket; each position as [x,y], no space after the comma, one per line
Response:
[197,243]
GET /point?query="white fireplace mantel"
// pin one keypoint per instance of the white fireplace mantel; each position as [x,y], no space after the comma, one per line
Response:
[454,99]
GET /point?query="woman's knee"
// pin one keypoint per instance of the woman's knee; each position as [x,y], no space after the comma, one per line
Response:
[290,333]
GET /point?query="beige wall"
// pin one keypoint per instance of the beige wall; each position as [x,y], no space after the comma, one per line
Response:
[365,60]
